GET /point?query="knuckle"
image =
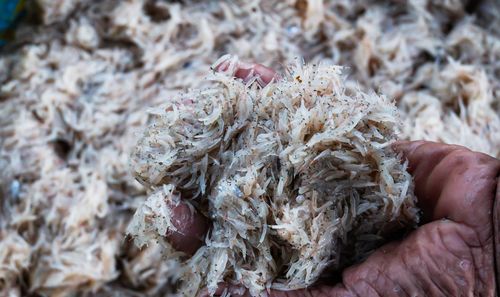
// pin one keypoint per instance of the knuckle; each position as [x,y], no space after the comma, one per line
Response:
[461,157]
[465,159]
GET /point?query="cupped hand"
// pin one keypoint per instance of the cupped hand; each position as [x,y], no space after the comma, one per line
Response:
[451,254]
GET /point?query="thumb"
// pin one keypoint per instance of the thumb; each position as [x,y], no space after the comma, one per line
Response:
[191,228]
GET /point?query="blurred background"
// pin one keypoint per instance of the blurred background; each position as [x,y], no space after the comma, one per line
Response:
[76,78]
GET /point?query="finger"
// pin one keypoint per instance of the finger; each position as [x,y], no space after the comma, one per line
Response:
[247,71]
[423,157]
[266,74]
[451,181]
[191,228]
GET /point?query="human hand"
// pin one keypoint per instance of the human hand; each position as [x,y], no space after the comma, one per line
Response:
[451,254]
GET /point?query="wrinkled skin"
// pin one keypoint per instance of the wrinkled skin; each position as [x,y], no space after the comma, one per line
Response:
[452,253]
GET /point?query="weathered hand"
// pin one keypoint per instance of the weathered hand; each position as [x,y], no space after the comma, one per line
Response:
[451,254]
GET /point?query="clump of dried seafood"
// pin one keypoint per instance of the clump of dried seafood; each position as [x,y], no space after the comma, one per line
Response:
[292,174]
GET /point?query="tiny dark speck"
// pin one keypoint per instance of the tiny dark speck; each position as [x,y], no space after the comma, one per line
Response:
[62,147]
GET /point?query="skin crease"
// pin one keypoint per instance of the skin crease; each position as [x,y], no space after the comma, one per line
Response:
[452,253]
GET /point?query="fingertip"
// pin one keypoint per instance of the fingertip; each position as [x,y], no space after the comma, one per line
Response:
[267,74]
[191,228]
[408,149]
[246,71]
